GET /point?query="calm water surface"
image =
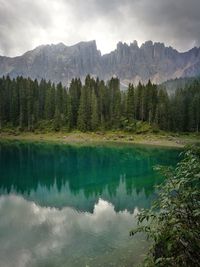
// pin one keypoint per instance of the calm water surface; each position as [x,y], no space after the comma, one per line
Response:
[74,206]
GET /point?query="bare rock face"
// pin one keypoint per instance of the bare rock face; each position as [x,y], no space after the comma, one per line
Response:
[151,61]
[131,63]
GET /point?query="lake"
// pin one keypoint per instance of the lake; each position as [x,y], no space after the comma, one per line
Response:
[73,206]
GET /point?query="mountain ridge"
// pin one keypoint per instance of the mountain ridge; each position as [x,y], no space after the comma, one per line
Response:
[131,63]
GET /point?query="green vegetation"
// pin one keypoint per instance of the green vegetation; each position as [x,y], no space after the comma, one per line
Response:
[27,105]
[173,222]
[103,138]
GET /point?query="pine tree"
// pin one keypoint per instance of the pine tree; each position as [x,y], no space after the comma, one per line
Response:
[75,93]
[70,122]
[178,111]
[95,115]
[130,103]
[22,103]
[163,110]
[14,107]
[82,112]
[29,105]
[50,101]
[115,102]
[57,120]
[139,102]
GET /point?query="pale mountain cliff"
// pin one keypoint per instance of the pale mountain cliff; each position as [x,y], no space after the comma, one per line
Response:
[130,63]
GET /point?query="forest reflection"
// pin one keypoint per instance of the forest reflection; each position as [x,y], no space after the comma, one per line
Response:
[63,175]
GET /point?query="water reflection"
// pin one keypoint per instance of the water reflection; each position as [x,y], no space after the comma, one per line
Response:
[58,176]
[39,236]
[74,206]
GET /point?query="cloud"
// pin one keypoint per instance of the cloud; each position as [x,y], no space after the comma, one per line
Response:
[25,24]
[41,236]
[20,23]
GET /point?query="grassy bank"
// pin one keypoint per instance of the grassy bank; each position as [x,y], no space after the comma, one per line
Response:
[158,139]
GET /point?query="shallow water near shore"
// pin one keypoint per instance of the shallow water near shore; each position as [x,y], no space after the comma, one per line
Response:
[64,205]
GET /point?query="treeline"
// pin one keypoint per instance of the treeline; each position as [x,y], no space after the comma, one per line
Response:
[96,105]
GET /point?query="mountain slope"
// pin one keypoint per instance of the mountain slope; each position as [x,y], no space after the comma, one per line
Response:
[172,85]
[130,63]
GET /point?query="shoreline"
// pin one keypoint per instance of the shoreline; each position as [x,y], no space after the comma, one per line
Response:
[105,138]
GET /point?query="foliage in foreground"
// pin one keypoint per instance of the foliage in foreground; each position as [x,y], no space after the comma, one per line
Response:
[173,222]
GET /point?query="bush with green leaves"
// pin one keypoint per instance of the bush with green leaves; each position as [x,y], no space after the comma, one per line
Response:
[173,222]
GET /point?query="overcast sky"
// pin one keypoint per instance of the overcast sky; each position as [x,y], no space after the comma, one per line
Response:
[25,24]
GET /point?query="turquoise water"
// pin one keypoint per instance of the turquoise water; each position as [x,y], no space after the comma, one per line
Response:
[74,206]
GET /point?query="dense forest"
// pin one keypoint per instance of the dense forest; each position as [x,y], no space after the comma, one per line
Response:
[95,105]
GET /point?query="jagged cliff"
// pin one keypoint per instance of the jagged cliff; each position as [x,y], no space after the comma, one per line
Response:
[130,63]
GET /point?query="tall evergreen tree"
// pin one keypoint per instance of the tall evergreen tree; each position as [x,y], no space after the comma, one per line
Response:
[75,94]
[163,110]
[82,123]
[95,115]
[131,103]
[115,101]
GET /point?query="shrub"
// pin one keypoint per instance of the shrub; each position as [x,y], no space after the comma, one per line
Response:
[173,222]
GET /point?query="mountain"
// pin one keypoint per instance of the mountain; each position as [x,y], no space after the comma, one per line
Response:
[130,63]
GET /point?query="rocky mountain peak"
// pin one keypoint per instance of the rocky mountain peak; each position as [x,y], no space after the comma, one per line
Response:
[134,44]
[131,63]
